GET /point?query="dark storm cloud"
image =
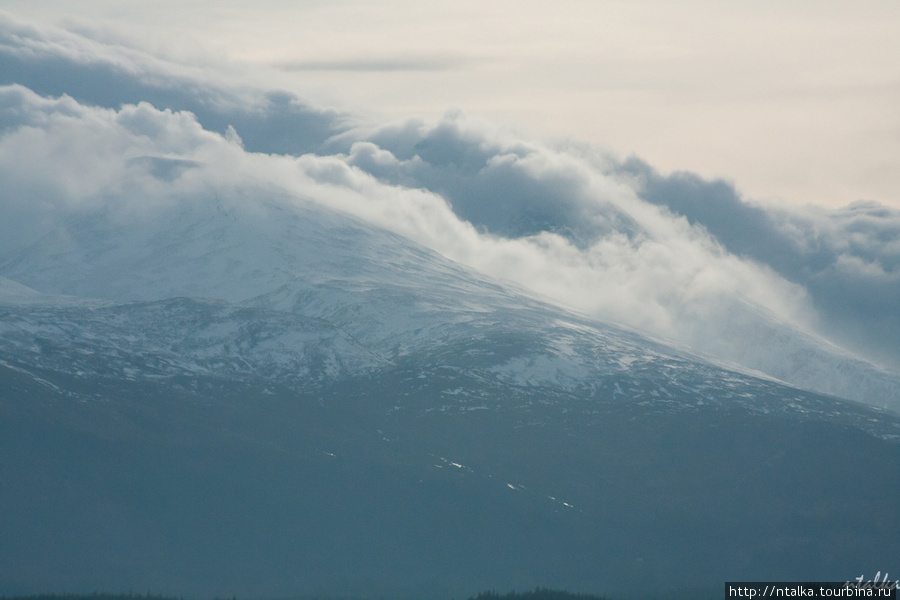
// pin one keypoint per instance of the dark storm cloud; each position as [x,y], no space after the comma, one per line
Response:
[848,259]
[52,63]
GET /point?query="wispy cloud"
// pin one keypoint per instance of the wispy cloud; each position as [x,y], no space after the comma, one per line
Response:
[385,64]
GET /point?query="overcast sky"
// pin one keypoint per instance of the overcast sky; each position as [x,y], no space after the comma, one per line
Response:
[794,101]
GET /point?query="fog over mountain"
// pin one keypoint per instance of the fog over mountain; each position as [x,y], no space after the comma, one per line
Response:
[93,126]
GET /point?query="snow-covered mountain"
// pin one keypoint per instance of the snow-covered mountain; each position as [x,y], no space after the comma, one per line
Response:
[297,291]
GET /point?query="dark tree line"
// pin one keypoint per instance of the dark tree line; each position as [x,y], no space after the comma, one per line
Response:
[93,596]
[536,594]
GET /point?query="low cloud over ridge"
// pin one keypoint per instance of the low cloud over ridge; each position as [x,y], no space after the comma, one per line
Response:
[610,238]
[847,259]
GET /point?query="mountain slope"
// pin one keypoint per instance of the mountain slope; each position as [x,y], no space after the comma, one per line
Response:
[271,287]
[428,483]
[206,400]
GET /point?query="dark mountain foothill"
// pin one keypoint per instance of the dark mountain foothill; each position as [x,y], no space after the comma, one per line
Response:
[430,478]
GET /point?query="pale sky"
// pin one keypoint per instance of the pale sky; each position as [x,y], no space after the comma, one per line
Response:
[793,101]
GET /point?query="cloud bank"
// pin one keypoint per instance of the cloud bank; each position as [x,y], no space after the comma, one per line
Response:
[847,259]
[123,133]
